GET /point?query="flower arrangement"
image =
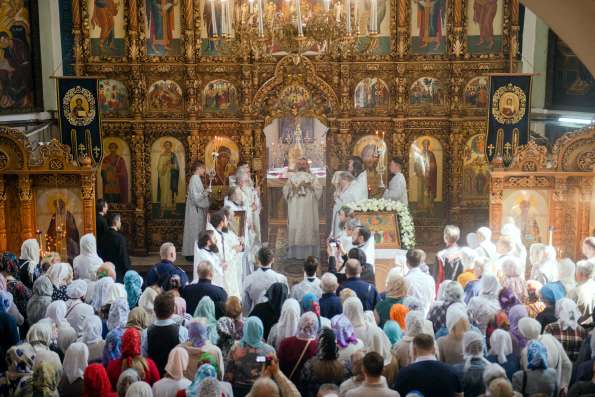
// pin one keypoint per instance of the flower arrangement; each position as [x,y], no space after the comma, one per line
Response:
[406,226]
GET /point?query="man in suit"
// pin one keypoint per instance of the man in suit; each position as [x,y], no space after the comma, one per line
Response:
[193,293]
[114,247]
[365,291]
[161,272]
[100,222]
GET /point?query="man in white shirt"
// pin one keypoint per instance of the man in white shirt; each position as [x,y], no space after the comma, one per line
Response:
[257,283]
[397,187]
[419,284]
[311,283]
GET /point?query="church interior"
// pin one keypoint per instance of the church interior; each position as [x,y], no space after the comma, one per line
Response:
[267,83]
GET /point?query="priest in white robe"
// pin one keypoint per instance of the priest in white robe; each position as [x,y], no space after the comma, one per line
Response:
[347,192]
[197,207]
[302,192]
[205,249]
[397,187]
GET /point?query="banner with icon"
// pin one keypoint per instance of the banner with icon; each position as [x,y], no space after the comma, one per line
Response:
[80,122]
[508,117]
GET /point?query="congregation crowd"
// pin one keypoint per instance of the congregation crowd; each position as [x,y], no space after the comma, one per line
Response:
[486,319]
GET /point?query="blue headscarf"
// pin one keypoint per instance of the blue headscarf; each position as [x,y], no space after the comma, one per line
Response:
[392,329]
[536,355]
[551,292]
[133,283]
[204,371]
[5,301]
[206,309]
[113,346]
[253,332]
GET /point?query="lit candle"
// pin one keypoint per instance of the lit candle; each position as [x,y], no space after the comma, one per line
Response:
[348,15]
[213,18]
[298,16]
[374,16]
[260,19]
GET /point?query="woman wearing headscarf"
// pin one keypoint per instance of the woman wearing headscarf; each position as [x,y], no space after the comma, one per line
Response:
[131,358]
[40,335]
[472,369]
[116,322]
[511,231]
[501,352]
[9,333]
[60,274]
[20,292]
[29,263]
[91,336]
[233,310]
[114,292]
[398,313]
[566,329]
[450,347]
[507,299]
[415,326]
[395,292]
[198,343]
[311,303]
[482,308]
[174,380]
[226,332]
[40,300]
[269,312]
[45,379]
[365,330]
[325,367]
[515,315]
[96,382]
[100,292]
[206,309]
[538,378]
[205,383]
[87,262]
[75,362]
[513,279]
[147,302]
[126,379]
[138,318]
[393,331]
[347,342]
[241,367]
[288,323]
[557,357]
[534,304]
[453,293]
[550,293]
[294,351]
[133,283]
[139,389]
[19,361]
[567,274]
[77,310]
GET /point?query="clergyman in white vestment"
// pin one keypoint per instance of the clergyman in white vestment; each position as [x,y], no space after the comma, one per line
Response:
[347,192]
[302,192]
[397,187]
[197,206]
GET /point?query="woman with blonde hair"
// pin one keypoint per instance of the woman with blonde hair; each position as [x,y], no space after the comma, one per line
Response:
[395,292]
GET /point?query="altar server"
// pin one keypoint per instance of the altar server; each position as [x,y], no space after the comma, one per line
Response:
[197,205]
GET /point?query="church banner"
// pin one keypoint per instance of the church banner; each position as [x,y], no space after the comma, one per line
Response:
[80,121]
[508,118]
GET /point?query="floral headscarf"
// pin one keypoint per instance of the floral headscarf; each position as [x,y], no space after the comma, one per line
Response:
[133,283]
[9,264]
[536,355]
[113,345]
[310,304]
[507,299]
[567,313]
[308,326]
[253,332]
[393,331]
[126,378]
[205,371]
[343,330]
[118,314]
[198,332]
[5,301]
[19,359]
[398,313]
[45,380]
[131,343]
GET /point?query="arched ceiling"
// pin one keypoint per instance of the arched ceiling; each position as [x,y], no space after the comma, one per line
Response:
[573,21]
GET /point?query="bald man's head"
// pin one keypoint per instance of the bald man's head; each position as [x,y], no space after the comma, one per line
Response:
[353,268]
[264,387]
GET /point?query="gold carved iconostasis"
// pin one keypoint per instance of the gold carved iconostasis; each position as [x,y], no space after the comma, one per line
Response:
[44,194]
[186,80]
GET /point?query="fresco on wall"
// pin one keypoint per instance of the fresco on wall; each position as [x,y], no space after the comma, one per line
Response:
[113,179]
[113,97]
[476,94]
[168,181]
[17,91]
[426,173]
[371,94]
[484,25]
[220,96]
[428,26]
[163,28]
[164,96]
[570,85]
[427,91]
[106,27]
[476,176]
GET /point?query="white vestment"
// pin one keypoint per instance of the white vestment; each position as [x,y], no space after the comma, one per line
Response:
[252,237]
[348,196]
[397,189]
[197,205]
[302,192]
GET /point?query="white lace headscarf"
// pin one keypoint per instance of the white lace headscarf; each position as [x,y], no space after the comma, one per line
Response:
[92,328]
[30,253]
[473,344]
[354,311]
[60,274]
[500,345]
[288,321]
[56,312]
[455,313]
[100,292]
[567,313]
[75,361]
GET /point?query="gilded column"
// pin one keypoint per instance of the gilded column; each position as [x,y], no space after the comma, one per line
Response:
[514,33]
[188,6]
[496,191]
[139,186]
[457,40]
[77,43]
[401,88]
[585,192]
[26,198]
[133,44]
[3,234]
[88,196]
[557,212]
[192,84]
[402,28]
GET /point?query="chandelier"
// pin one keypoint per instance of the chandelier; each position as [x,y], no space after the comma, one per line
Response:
[262,28]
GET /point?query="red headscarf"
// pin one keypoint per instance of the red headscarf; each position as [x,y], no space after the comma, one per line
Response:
[131,343]
[96,382]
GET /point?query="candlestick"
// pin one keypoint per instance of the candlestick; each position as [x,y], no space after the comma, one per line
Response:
[348,15]
[223,18]
[338,11]
[260,19]
[213,18]
[551,236]
[251,6]
[374,16]
[298,16]
[327,5]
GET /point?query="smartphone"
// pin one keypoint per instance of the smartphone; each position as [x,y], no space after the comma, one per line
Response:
[261,359]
